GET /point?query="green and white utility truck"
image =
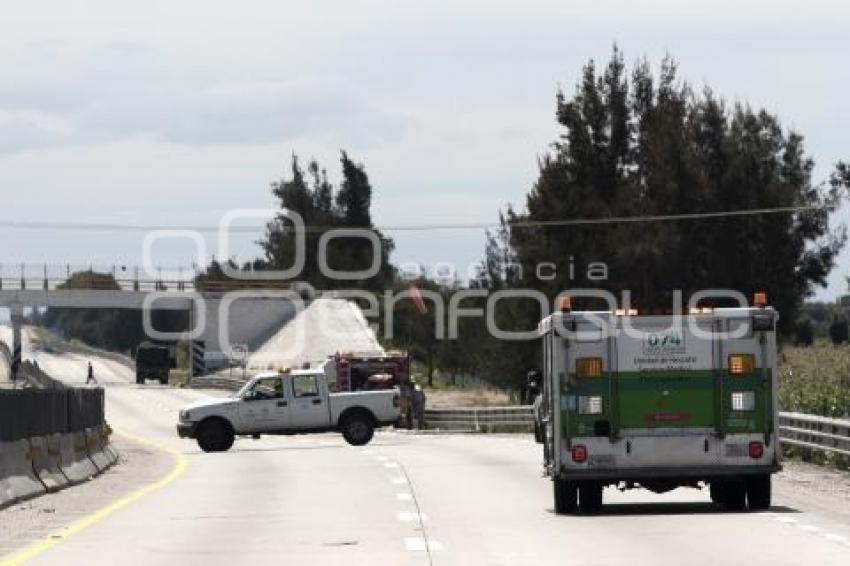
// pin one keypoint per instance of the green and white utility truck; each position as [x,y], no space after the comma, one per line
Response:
[660,402]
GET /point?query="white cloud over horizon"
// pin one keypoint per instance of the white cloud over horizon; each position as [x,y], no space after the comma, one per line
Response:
[176,112]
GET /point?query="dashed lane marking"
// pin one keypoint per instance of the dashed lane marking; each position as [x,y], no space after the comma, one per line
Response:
[404,496]
[408,516]
[399,480]
[420,544]
[811,529]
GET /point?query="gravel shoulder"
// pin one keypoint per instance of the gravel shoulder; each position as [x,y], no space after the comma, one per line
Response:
[815,488]
[33,520]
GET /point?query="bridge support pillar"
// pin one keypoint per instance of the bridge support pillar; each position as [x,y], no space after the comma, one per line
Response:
[17,312]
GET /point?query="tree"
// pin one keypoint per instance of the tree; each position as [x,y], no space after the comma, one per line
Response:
[323,209]
[651,146]
[838,331]
[804,333]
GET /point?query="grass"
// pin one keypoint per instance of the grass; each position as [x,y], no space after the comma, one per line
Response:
[815,380]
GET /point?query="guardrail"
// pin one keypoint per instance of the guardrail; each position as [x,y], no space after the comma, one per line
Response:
[481,419]
[217,382]
[795,429]
[815,433]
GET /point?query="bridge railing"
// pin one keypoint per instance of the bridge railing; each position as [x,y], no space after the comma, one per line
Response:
[52,277]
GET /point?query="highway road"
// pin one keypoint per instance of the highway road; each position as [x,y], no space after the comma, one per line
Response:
[403,499]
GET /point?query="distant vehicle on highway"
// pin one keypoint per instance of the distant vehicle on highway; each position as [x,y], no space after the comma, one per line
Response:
[293,402]
[646,401]
[152,362]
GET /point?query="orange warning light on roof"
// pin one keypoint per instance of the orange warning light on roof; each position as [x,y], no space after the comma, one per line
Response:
[760,299]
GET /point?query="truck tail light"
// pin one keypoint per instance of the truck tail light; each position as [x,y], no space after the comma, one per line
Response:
[756,450]
[743,400]
[741,364]
[589,367]
[579,453]
[590,405]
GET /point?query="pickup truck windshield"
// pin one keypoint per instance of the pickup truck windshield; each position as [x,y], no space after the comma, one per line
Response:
[268,388]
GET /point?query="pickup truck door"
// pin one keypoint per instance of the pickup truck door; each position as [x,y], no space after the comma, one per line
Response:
[309,402]
[265,407]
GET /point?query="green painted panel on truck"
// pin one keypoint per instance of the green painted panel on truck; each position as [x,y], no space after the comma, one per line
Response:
[668,399]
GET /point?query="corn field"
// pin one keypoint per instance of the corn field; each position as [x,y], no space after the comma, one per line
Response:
[815,380]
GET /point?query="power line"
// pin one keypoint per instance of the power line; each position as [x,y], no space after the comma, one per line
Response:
[107,227]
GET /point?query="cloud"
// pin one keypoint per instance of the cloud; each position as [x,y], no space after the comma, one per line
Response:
[26,129]
[41,115]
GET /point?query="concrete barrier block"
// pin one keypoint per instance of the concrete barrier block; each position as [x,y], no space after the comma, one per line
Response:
[17,478]
[74,459]
[94,447]
[44,454]
[111,453]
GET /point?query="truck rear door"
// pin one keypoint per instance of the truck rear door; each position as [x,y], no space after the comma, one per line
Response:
[666,376]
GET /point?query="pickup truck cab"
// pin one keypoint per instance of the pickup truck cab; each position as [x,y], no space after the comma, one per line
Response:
[293,402]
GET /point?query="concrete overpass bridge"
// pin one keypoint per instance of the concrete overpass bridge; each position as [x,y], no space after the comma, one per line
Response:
[251,310]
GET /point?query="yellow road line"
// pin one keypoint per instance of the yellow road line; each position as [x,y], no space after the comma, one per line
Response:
[51,540]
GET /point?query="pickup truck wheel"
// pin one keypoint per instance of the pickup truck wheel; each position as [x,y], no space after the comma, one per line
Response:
[758,492]
[214,436]
[566,496]
[358,430]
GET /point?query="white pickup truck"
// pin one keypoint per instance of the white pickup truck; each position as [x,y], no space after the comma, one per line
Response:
[288,403]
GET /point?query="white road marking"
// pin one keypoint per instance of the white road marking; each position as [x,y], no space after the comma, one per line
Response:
[419,544]
[837,538]
[399,480]
[403,496]
[811,529]
[391,465]
[407,516]
[381,458]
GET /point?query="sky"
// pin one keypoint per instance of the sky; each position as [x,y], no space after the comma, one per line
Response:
[174,113]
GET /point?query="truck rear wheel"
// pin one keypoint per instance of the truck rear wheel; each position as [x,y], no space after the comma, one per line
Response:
[358,429]
[715,489]
[590,497]
[733,495]
[758,492]
[214,436]
[566,496]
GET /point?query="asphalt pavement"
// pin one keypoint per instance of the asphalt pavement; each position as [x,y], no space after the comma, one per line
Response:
[403,499]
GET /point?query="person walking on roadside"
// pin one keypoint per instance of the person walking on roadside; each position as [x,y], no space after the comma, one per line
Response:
[90,376]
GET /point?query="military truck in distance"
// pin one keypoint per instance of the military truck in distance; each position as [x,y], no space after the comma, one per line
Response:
[152,362]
